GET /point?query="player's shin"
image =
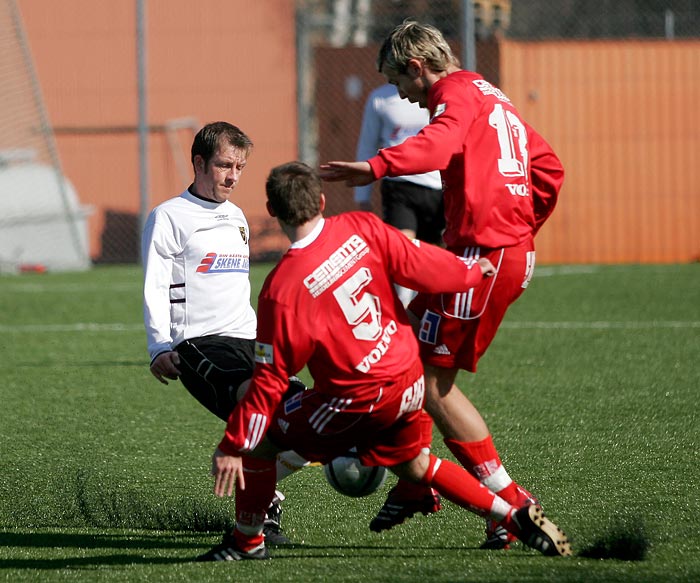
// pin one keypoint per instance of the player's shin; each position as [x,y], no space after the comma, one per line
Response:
[253,502]
[460,487]
[481,460]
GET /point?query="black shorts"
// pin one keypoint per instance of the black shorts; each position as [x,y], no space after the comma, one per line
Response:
[409,206]
[213,367]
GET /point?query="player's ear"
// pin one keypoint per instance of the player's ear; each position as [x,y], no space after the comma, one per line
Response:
[414,67]
[322,203]
[199,163]
[269,209]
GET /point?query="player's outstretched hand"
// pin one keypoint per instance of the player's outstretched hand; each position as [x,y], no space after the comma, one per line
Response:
[487,268]
[164,366]
[227,470]
[353,173]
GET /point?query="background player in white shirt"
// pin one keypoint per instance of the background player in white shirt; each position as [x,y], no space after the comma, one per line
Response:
[199,321]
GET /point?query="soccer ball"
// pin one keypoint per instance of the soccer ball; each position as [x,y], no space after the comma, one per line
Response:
[347,475]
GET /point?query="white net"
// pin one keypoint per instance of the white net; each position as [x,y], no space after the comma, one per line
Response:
[42,223]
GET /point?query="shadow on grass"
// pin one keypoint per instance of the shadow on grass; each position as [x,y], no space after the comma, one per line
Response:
[99,541]
[58,542]
[62,540]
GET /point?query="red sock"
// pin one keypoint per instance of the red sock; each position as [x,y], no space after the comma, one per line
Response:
[253,502]
[481,459]
[460,487]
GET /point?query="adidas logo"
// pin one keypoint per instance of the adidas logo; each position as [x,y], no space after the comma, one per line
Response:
[442,349]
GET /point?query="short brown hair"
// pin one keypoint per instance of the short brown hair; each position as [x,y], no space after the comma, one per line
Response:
[294,193]
[209,138]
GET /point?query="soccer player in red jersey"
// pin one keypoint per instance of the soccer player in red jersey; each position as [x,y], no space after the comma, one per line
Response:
[330,304]
[501,181]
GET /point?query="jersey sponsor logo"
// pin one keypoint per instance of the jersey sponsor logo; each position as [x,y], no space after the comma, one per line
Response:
[412,398]
[439,109]
[487,89]
[263,353]
[380,349]
[224,263]
[339,262]
[244,235]
[518,189]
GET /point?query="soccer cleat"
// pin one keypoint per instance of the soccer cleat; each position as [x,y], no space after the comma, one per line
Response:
[272,529]
[497,537]
[540,533]
[397,509]
[228,551]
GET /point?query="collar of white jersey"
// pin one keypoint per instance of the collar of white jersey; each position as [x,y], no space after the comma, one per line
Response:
[310,238]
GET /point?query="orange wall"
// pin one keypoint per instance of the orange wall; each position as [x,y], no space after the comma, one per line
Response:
[624,118]
[219,59]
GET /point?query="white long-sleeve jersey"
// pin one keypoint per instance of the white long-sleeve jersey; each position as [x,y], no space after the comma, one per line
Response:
[387,121]
[196,262]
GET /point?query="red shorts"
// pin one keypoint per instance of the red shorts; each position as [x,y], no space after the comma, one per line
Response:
[383,426]
[456,329]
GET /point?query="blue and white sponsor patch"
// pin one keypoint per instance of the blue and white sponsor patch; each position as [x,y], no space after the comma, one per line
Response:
[224,263]
[263,353]
[293,403]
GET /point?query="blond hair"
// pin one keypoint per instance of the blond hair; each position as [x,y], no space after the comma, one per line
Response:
[412,40]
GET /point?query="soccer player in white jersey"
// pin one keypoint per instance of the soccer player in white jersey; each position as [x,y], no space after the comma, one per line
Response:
[330,304]
[199,321]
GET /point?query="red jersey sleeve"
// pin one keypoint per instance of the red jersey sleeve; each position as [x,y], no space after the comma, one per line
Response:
[546,177]
[434,146]
[281,350]
[424,267]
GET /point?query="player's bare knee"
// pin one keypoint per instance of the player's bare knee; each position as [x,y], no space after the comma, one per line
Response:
[413,470]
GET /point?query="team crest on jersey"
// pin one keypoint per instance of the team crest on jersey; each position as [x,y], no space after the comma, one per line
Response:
[244,235]
[263,353]
[224,263]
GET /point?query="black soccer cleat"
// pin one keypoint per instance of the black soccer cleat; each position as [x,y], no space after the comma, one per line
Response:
[229,551]
[497,537]
[540,533]
[272,529]
[397,509]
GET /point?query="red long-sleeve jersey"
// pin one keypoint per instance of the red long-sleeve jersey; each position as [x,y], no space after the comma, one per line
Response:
[500,178]
[331,304]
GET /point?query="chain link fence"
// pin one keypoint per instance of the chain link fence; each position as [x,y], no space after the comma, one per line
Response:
[612,85]
[600,80]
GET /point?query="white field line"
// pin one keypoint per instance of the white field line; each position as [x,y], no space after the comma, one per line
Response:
[602,325]
[77,327]
[599,325]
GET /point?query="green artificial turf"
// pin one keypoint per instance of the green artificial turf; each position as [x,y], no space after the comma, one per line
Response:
[590,390]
